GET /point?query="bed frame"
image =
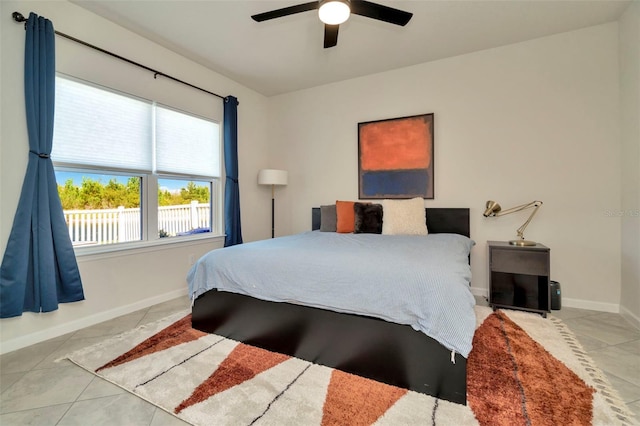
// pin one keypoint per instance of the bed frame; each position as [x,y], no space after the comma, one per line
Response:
[369,347]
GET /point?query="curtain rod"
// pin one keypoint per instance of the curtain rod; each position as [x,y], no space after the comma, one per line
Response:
[18,17]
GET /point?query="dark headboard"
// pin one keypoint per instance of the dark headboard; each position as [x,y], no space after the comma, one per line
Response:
[439,220]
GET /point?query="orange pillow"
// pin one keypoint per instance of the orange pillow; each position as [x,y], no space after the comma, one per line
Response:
[345,216]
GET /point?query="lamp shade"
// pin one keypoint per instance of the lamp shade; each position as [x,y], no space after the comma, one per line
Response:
[272,177]
[334,12]
[492,208]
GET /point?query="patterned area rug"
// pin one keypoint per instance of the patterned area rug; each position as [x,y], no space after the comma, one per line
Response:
[523,370]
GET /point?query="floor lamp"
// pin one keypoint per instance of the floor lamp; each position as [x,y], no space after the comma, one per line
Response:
[272,177]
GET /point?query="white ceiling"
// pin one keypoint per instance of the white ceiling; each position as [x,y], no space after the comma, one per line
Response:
[286,54]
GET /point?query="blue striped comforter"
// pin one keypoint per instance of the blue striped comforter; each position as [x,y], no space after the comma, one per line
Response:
[414,280]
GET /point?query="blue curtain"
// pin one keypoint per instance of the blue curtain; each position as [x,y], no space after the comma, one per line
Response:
[231,188]
[39,268]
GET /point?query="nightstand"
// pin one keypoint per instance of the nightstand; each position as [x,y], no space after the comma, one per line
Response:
[519,277]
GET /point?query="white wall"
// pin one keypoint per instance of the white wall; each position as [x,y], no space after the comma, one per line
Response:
[533,120]
[117,283]
[630,135]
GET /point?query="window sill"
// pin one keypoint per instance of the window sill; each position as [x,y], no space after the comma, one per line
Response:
[126,249]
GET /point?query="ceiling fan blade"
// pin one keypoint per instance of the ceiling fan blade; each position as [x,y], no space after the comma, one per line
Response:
[380,12]
[330,35]
[285,11]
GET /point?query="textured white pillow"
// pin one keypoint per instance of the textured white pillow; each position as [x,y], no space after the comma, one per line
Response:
[404,217]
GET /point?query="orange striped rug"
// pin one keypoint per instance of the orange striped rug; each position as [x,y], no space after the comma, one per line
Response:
[523,370]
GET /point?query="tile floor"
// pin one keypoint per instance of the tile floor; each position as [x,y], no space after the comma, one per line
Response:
[35,390]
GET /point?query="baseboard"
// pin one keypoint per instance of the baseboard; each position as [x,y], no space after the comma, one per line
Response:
[571,303]
[588,304]
[629,316]
[69,327]
[480,292]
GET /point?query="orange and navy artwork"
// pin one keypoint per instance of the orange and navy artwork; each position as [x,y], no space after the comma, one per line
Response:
[395,157]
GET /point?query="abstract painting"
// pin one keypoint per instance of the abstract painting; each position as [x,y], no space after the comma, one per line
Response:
[395,158]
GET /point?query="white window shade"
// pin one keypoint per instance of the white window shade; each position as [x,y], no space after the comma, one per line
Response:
[97,127]
[186,145]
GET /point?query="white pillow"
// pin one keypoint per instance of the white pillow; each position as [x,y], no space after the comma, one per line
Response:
[404,217]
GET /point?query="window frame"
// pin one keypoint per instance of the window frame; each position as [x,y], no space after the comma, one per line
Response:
[149,188]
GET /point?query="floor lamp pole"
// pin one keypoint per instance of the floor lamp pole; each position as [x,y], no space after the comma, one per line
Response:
[272,177]
[273,205]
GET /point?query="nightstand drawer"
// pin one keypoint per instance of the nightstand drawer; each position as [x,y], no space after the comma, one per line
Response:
[517,261]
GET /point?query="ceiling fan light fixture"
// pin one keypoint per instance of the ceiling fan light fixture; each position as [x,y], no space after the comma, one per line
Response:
[334,12]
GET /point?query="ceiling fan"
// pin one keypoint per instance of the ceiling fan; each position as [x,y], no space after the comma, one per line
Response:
[334,12]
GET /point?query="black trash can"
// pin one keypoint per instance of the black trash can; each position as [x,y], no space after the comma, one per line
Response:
[556,296]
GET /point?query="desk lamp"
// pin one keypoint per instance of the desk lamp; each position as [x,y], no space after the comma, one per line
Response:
[493,209]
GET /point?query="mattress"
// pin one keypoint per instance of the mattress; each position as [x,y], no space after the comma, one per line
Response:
[420,281]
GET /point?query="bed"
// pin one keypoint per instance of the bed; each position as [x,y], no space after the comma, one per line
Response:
[365,345]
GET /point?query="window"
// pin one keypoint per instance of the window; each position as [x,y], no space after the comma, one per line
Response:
[112,151]
[183,207]
[100,208]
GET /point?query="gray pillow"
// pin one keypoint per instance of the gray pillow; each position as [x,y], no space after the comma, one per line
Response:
[328,218]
